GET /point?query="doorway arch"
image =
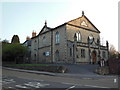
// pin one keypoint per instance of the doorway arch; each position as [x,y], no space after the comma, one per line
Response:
[57,57]
[94,56]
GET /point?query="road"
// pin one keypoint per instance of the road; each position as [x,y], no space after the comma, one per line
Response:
[23,80]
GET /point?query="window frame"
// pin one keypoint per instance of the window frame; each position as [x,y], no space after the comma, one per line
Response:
[57,37]
[44,39]
[103,54]
[70,52]
[82,53]
[90,39]
[78,34]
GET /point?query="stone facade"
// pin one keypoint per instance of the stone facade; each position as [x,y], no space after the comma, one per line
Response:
[76,41]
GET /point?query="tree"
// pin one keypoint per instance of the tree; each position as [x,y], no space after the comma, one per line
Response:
[12,52]
[113,53]
[15,39]
[5,41]
[119,55]
[112,48]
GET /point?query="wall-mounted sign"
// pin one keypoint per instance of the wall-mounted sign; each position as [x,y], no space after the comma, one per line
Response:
[47,53]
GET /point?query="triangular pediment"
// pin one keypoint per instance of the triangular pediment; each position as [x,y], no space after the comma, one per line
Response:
[83,22]
[45,29]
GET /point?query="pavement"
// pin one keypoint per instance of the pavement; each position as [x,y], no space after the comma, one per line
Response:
[84,70]
[74,71]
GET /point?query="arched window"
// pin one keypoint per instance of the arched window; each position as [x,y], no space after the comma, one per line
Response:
[103,54]
[44,39]
[57,55]
[90,39]
[57,37]
[78,36]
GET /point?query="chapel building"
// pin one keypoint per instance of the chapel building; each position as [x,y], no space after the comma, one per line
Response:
[76,41]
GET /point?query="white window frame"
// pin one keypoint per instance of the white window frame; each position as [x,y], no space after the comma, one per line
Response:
[78,34]
[57,37]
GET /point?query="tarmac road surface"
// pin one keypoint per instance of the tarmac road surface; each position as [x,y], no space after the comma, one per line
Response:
[23,80]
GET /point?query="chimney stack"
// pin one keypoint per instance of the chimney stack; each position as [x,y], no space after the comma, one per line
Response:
[33,34]
[27,38]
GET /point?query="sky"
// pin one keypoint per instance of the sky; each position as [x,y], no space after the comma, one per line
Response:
[20,17]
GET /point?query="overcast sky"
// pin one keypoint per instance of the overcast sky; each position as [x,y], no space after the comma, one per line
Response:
[21,18]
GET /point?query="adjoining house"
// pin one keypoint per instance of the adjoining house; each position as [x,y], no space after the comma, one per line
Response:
[76,41]
[27,43]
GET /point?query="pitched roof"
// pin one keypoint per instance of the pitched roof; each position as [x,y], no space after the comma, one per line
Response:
[87,24]
[45,29]
[75,22]
[91,23]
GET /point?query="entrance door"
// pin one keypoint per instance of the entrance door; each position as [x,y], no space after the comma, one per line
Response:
[57,56]
[94,57]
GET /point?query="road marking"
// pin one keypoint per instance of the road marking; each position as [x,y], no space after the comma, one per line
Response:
[36,84]
[70,87]
[10,87]
[85,85]
[20,86]
[5,82]
[95,86]
[9,80]
[67,83]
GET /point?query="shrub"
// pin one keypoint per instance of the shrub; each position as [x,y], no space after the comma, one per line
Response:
[114,66]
